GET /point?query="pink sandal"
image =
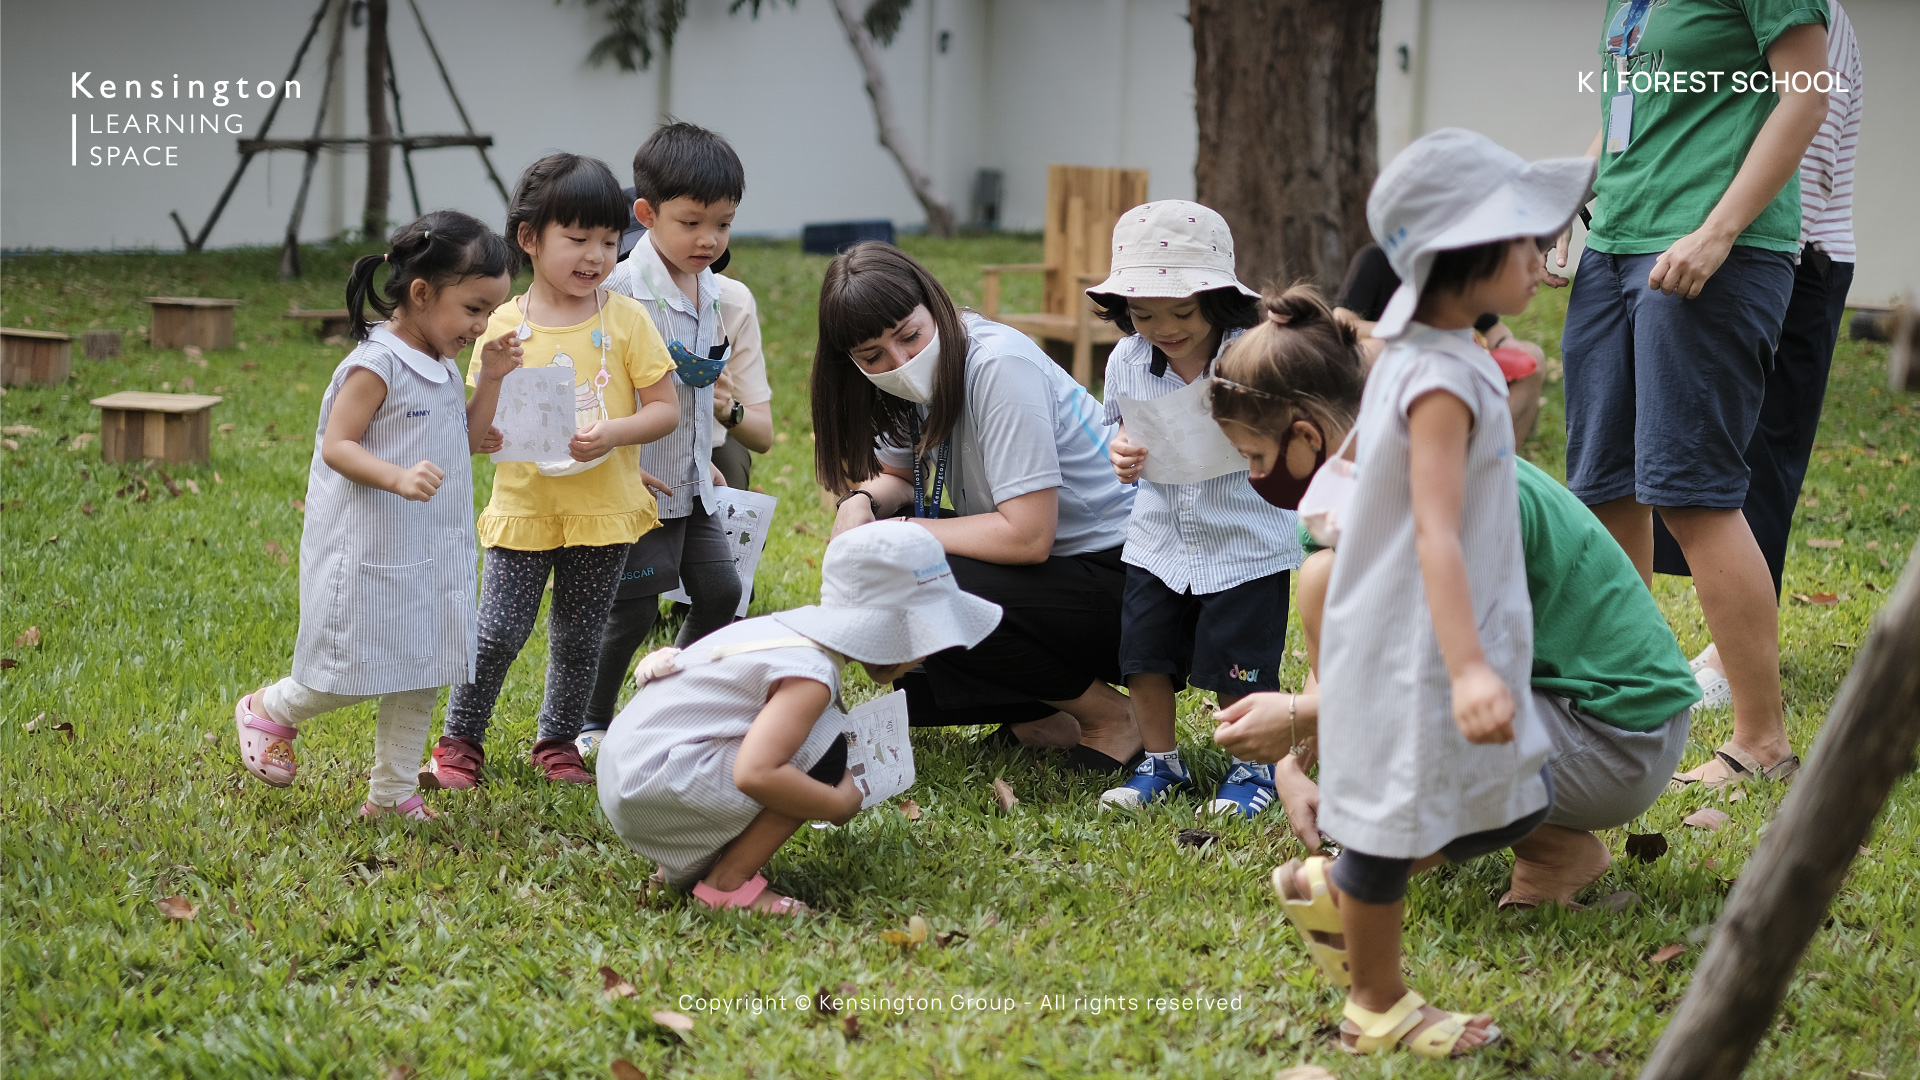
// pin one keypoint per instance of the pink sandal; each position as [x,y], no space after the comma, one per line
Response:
[266,747]
[414,809]
[744,896]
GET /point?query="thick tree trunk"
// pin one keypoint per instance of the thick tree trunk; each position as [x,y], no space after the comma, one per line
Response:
[939,214]
[373,220]
[1284,94]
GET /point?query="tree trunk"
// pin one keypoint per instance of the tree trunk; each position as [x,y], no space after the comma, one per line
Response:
[1284,95]
[373,220]
[939,214]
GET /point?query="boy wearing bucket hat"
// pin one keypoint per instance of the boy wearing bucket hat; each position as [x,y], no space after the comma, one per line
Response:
[732,744]
[1206,562]
[1429,750]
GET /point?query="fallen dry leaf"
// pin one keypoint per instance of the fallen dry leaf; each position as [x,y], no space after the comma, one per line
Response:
[909,809]
[803,528]
[8,662]
[850,1026]
[81,440]
[848,989]
[400,1072]
[226,429]
[1003,792]
[19,429]
[1195,837]
[28,639]
[178,908]
[1646,847]
[88,509]
[614,985]
[274,549]
[299,505]
[191,486]
[1738,795]
[1617,901]
[912,937]
[1823,599]
[1666,953]
[1873,545]
[1305,1072]
[54,539]
[9,444]
[951,936]
[679,1022]
[1707,818]
[623,1069]
[1818,542]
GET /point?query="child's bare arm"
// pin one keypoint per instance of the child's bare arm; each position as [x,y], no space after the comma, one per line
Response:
[497,358]
[1438,428]
[659,413]
[764,770]
[359,398]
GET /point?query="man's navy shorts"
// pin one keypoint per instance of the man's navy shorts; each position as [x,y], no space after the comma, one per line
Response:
[1663,392]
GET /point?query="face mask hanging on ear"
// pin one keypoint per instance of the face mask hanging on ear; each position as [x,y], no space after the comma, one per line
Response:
[913,380]
[1280,487]
[1324,507]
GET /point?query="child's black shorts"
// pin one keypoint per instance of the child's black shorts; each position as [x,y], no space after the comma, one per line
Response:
[1228,642]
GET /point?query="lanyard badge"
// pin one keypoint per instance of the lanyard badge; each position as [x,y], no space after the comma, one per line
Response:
[924,507]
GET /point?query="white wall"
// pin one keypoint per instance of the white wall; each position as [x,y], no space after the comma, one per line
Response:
[1023,83]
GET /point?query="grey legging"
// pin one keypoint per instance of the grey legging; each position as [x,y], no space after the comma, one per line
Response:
[583,583]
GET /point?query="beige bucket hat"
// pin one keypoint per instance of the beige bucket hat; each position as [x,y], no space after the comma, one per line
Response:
[1168,249]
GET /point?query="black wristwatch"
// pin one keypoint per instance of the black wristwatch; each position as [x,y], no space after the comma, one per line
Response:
[734,416]
[855,493]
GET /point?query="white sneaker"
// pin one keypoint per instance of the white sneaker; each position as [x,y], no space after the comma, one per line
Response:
[587,742]
[1715,690]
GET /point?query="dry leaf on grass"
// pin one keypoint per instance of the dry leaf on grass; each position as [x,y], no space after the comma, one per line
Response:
[850,1026]
[166,481]
[274,549]
[1666,953]
[951,936]
[178,908]
[1819,542]
[1617,902]
[623,1069]
[1823,599]
[1646,847]
[28,639]
[19,429]
[81,440]
[1306,1072]
[1196,837]
[909,809]
[400,1072]
[1003,793]
[8,662]
[88,509]
[1707,818]
[191,486]
[614,985]
[9,444]
[679,1022]
[911,937]
[226,429]
[54,539]
[298,504]
[803,528]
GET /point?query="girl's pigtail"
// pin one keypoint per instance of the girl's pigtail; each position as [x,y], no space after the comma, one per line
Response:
[361,294]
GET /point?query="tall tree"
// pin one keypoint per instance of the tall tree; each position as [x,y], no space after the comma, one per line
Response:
[1284,96]
[638,29]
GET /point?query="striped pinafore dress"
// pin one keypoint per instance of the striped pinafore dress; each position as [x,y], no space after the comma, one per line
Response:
[386,584]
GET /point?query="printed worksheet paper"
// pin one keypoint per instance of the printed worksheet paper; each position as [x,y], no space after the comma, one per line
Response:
[746,516]
[1184,445]
[535,415]
[879,756]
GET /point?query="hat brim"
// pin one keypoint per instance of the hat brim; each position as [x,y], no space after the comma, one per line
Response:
[1539,200]
[896,635]
[1166,283]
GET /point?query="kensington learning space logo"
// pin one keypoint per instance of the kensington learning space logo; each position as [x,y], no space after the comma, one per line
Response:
[127,126]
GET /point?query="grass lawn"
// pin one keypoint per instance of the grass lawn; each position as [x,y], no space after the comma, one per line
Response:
[324,947]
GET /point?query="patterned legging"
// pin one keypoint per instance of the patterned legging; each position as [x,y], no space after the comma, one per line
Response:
[584,579]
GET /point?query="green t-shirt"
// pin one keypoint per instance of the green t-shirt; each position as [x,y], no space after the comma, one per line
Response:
[1689,67]
[1599,639]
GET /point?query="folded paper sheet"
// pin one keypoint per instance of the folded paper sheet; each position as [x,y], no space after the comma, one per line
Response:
[1184,445]
[879,756]
[535,415]
[746,516]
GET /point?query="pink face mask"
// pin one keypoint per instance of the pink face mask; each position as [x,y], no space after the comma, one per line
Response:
[1329,495]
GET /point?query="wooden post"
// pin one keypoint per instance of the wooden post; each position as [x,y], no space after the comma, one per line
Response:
[1783,895]
[373,219]
[101,344]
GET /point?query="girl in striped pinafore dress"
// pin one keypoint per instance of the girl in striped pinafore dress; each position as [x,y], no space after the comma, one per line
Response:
[387,555]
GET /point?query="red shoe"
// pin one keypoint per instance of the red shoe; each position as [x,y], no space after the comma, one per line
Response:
[561,760]
[456,765]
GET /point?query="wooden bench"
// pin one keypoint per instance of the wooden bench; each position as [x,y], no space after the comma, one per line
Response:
[180,321]
[35,357]
[1083,202]
[327,322]
[175,428]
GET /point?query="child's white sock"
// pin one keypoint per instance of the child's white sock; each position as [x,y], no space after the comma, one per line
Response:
[1170,759]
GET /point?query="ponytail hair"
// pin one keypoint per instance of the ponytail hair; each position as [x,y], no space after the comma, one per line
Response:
[1297,363]
[440,248]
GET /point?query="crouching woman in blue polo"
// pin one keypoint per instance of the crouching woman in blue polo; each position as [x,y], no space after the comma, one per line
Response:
[968,429]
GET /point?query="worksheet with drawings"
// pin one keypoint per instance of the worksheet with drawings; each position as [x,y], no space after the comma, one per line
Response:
[746,516]
[879,755]
[1184,445]
[535,415]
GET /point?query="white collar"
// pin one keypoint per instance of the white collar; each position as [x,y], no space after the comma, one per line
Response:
[653,267]
[428,368]
[1459,344]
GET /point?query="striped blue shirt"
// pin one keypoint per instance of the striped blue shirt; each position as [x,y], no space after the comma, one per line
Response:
[1204,537]
[682,456]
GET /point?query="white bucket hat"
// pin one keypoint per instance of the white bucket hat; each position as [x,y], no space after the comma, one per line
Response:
[888,596]
[1456,188]
[1170,249]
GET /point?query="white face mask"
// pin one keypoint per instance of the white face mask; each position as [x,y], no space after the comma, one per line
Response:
[1328,498]
[912,380]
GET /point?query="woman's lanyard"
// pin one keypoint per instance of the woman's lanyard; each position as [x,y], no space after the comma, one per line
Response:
[922,506]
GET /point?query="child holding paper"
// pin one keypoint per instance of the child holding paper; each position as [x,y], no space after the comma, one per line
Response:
[1207,561]
[733,743]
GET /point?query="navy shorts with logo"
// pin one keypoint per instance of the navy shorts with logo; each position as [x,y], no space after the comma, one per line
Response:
[1663,392]
[1228,642]
[653,561]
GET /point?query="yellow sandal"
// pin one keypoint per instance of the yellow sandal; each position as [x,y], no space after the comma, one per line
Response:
[1380,1032]
[1314,915]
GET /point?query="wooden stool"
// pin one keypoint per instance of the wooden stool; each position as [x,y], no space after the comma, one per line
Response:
[326,322]
[101,344]
[180,321]
[174,428]
[35,357]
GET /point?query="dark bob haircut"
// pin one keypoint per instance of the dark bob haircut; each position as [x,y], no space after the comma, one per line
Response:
[685,159]
[1457,269]
[565,189]
[1224,309]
